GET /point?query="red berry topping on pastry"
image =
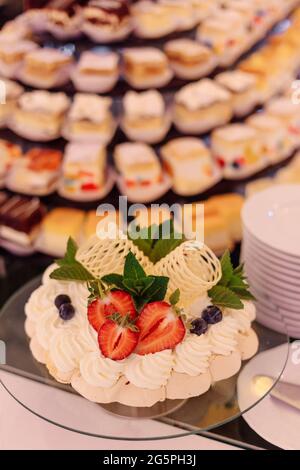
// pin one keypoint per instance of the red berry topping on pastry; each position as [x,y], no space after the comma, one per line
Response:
[120,302]
[160,328]
[96,314]
[118,337]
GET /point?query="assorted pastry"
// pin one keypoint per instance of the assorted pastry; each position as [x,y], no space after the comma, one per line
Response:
[141,177]
[39,115]
[145,116]
[10,92]
[9,153]
[36,173]
[90,119]
[170,339]
[190,165]
[85,173]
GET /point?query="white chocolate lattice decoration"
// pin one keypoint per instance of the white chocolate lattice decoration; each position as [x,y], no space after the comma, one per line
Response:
[103,256]
[193,268]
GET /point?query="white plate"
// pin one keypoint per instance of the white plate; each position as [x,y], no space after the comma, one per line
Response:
[272,263]
[273,217]
[273,274]
[269,251]
[272,420]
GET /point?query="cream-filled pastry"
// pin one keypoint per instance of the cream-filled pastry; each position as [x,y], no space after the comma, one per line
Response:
[107,20]
[202,106]
[146,67]
[16,30]
[229,206]
[85,174]
[190,166]
[10,92]
[273,136]
[238,151]
[189,59]
[183,13]
[9,153]
[205,8]
[39,115]
[101,224]
[96,72]
[289,114]
[65,23]
[46,68]
[90,119]
[36,173]
[12,54]
[226,33]
[58,225]
[243,87]
[152,20]
[141,176]
[145,117]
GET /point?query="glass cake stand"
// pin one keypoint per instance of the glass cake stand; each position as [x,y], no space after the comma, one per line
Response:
[29,383]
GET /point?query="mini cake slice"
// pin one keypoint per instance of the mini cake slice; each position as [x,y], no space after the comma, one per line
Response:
[273,136]
[36,173]
[289,115]
[183,13]
[20,220]
[202,106]
[65,23]
[107,20]
[238,151]
[226,33]
[90,119]
[85,173]
[9,153]
[141,176]
[243,87]
[12,91]
[189,59]
[39,115]
[58,225]
[107,224]
[146,67]
[46,68]
[12,54]
[152,20]
[230,207]
[190,166]
[95,72]
[145,117]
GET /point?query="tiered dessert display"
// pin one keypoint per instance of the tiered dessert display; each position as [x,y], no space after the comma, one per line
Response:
[159,90]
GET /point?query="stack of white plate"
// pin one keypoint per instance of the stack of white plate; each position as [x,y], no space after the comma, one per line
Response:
[271,252]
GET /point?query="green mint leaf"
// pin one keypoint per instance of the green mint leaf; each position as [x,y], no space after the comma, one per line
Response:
[158,289]
[157,241]
[72,272]
[227,269]
[244,294]
[239,270]
[224,297]
[174,298]
[134,285]
[132,268]
[236,281]
[115,280]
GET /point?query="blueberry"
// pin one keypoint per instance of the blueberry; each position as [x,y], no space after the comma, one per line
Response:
[61,299]
[212,315]
[236,165]
[66,311]
[199,327]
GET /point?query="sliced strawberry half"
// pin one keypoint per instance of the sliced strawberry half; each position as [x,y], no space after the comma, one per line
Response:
[97,314]
[120,302]
[117,339]
[160,328]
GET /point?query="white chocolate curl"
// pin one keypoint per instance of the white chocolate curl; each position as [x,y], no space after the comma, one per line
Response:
[193,268]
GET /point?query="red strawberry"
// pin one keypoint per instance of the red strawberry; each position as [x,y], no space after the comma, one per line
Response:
[118,338]
[160,328]
[96,313]
[120,302]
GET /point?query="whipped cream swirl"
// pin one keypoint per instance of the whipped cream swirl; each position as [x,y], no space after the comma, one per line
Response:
[99,371]
[243,317]
[150,371]
[66,350]
[223,336]
[192,355]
